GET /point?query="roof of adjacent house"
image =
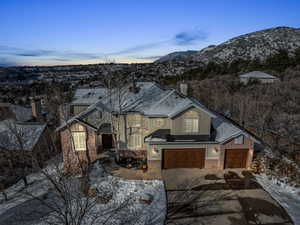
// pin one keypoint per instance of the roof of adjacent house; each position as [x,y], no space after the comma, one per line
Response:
[152,100]
[21,113]
[88,96]
[28,133]
[258,75]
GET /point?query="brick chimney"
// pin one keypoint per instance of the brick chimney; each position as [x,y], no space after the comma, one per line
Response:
[183,88]
[36,108]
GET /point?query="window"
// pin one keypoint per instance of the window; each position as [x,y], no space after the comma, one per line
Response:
[136,140]
[79,137]
[191,125]
[159,122]
[135,121]
[239,140]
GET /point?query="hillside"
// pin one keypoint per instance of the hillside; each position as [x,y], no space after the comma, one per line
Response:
[255,45]
[175,56]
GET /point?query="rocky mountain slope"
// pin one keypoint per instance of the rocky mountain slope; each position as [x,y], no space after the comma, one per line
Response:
[176,56]
[259,44]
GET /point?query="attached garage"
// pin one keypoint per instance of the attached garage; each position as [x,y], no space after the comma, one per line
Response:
[236,158]
[183,158]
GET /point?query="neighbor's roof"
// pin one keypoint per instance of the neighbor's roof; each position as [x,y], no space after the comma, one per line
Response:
[88,96]
[21,113]
[29,134]
[258,75]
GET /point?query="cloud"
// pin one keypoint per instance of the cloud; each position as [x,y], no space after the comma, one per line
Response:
[181,38]
[140,48]
[62,55]
[5,62]
[151,57]
[190,37]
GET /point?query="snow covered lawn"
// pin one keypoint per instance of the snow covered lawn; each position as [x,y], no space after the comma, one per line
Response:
[288,196]
[132,202]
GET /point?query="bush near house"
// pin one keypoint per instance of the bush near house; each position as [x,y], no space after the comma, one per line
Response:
[277,166]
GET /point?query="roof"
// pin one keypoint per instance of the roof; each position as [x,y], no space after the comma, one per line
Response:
[257,75]
[154,101]
[29,134]
[88,96]
[223,131]
[21,113]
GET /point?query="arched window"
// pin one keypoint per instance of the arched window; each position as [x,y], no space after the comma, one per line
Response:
[79,137]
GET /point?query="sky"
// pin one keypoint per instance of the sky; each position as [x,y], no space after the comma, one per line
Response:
[62,32]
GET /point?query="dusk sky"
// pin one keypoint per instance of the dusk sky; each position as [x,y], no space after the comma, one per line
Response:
[54,32]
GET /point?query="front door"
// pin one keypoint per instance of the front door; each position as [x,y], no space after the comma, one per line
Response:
[107,141]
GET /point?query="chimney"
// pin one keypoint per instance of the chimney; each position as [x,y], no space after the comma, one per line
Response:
[36,108]
[183,87]
[134,88]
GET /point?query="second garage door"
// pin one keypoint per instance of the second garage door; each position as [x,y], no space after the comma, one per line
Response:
[183,158]
[236,158]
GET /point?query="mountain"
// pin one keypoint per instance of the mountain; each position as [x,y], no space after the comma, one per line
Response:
[255,45]
[175,56]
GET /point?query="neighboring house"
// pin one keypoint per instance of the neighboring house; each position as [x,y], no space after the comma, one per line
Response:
[259,76]
[20,113]
[23,135]
[23,143]
[161,125]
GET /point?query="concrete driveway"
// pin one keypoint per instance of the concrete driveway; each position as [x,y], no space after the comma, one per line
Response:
[214,197]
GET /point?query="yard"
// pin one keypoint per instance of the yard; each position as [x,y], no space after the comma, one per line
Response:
[117,201]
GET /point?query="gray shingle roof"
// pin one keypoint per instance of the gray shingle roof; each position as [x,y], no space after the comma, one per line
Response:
[29,134]
[21,113]
[257,75]
[153,101]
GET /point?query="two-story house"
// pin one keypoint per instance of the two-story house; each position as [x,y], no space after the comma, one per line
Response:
[162,125]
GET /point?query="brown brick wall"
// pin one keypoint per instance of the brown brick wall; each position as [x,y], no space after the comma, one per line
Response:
[212,164]
[72,158]
[154,164]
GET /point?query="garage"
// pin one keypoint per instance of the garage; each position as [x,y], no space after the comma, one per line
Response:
[183,158]
[236,158]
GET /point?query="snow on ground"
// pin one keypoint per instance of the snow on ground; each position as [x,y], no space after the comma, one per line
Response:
[288,196]
[16,194]
[131,192]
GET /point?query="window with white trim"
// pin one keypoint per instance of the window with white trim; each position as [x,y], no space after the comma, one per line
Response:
[239,140]
[135,121]
[79,137]
[191,125]
[159,122]
[136,140]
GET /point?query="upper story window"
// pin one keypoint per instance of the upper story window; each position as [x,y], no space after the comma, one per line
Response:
[239,140]
[191,125]
[159,122]
[135,121]
[79,137]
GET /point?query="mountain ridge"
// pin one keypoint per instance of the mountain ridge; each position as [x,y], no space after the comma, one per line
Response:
[254,45]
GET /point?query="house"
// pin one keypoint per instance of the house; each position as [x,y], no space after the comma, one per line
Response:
[24,137]
[163,126]
[262,77]
[23,143]
[21,113]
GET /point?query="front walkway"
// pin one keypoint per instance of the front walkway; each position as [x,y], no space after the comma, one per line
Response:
[214,197]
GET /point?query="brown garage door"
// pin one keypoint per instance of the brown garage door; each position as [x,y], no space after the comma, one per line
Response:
[236,158]
[183,158]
